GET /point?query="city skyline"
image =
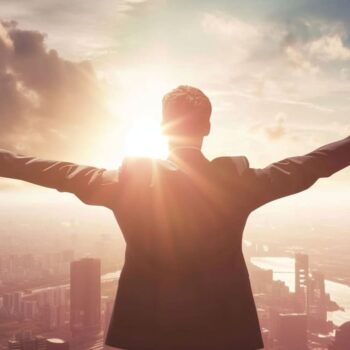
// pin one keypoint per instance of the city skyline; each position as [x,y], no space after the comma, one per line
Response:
[83,82]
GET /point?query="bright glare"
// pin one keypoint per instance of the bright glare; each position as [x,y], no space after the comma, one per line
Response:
[137,107]
[144,139]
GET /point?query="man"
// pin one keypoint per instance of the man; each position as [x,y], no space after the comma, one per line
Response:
[184,284]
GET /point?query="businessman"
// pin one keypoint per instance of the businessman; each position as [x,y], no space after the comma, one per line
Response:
[184,284]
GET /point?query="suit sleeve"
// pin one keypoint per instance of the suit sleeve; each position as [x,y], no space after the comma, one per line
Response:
[295,174]
[95,186]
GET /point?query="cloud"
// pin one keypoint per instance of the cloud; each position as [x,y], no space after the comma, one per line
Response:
[309,43]
[278,129]
[291,62]
[297,59]
[47,103]
[97,29]
[239,37]
[229,27]
[329,48]
[275,130]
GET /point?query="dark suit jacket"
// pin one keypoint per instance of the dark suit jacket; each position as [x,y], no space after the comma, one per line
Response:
[184,284]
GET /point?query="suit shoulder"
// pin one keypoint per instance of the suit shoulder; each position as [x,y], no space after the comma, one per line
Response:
[235,164]
[145,163]
[142,169]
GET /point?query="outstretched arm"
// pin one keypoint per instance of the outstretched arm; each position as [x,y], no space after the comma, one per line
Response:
[295,174]
[92,185]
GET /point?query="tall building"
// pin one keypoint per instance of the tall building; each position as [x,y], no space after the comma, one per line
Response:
[266,338]
[30,309]
[8,300]
[109,303]
[85,294]
[61,316]
[28,344]
[59,295]
[301,282]
[292,332]
[342,338]
[40,342]
[48,317]
[14,344]
[17,302]
[317,302]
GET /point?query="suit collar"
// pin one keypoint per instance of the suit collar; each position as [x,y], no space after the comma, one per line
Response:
[185,154]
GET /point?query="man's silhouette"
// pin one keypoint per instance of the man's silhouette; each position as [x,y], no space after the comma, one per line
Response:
[184,284]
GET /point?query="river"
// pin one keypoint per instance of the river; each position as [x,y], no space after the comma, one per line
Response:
[283,269]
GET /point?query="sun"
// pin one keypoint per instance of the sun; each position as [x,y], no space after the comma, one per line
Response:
[138,109]
[144,139]
[134,105]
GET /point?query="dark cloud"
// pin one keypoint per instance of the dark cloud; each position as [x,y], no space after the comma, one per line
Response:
[47,103]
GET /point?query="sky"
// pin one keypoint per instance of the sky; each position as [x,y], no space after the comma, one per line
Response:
[82,80]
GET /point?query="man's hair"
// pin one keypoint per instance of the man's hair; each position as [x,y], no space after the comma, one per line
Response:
[186,111]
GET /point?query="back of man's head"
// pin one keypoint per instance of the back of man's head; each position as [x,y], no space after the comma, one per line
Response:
[186,112]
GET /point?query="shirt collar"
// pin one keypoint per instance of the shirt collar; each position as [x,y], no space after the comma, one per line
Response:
[187,153]
[174,149]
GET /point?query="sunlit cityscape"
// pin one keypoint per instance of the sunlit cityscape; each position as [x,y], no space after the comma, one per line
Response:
[83,81]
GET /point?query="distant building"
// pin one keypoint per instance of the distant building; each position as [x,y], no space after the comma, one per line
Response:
[317,303]
[109,303]
[292,332]
[58,295]
[8,300]
[48,317]
[28,344]
[30,309]
[85,295]
[342,338]
[23,340]
[301,282]
[17,302]
[14,344]
[266,338]
[40,342]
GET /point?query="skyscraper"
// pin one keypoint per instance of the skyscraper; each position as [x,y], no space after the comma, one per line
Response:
[40,342]
[85,294]
[108,312]
[30,309]
[317,302]
[8,301]
[17,302]
[301,282]
[292,332]
[342,338]
[14,344]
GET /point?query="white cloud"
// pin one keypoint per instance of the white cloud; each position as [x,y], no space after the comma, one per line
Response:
[238,37]
[329,48]
[4,38]
[96,29]
[297,58]
[277,130]
[229,27]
